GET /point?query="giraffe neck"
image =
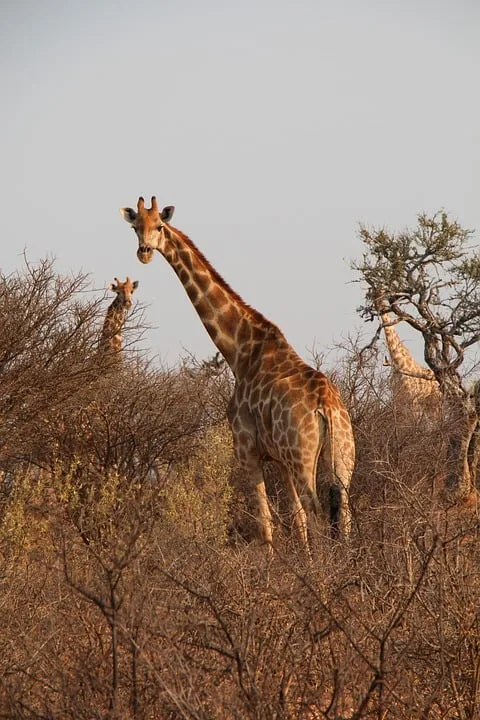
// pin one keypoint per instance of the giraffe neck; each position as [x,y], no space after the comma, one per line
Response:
[402,360]
[235,327]
[111,339]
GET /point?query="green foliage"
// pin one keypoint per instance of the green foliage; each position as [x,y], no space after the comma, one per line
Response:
[23,510]
[197,498]
[430,278]
[414,263]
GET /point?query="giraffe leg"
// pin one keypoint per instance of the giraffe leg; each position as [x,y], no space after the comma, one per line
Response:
[316,524]
[262,510]
[253,486]
[340,516]
[299,463]
[296,508]
[244,433]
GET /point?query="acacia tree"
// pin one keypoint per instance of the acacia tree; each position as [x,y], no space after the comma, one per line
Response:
[429,277]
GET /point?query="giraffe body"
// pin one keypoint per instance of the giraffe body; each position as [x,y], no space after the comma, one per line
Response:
[286,411]
[111,338]
[412,382]
[281,408]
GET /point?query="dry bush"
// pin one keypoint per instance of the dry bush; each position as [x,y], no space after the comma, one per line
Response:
[148,625]
[196,498]
[122,595]
[46,336]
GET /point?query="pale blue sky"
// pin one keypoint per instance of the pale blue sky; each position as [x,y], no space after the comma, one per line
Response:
[273,127]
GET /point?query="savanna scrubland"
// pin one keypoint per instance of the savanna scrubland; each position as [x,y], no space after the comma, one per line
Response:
[131,585]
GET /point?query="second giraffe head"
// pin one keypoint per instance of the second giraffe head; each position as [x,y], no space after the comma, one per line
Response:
[150,226]
[124,291]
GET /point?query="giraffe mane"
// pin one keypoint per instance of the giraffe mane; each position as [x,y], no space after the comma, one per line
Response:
[254,314]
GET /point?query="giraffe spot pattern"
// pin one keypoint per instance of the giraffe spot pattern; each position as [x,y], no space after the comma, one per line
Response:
[281,408]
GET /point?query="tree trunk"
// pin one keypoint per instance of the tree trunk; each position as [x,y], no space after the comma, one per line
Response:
[474,454]
[463,450]
[474,446]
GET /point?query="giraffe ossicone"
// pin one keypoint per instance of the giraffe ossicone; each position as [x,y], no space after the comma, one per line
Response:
[281,409]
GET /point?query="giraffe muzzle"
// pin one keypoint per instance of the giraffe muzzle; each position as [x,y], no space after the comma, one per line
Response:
[145,254]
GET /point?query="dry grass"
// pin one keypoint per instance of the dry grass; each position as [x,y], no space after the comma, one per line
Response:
[130,586]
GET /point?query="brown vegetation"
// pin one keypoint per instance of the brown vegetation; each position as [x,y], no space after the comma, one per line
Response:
[429,278]
[128,587]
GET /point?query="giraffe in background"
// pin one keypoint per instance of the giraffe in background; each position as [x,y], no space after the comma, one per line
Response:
[416,384]
[281,409]
[86,463]
[110,345]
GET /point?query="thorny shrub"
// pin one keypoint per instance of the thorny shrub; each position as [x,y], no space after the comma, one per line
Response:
[123,595]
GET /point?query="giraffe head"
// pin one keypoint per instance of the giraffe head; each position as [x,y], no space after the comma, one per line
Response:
[124,291]
[149,224]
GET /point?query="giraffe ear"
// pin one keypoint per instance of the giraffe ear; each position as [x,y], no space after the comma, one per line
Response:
[112,286]
[135,284]
[128,214]
[167,213]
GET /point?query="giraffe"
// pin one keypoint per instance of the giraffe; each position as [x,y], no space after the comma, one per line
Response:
[110,345]
[110,341]
[412,382]
[281,408]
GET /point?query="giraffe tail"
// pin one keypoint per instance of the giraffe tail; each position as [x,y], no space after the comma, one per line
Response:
[334,490]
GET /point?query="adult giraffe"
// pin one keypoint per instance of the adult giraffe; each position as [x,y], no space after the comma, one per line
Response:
[410,381]
[281,408]
[110,345]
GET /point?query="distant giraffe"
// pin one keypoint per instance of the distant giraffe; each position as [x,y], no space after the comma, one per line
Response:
[410,381]
[110,345]
[281,408]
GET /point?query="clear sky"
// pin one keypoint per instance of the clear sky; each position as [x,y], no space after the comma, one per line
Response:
[274,127]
